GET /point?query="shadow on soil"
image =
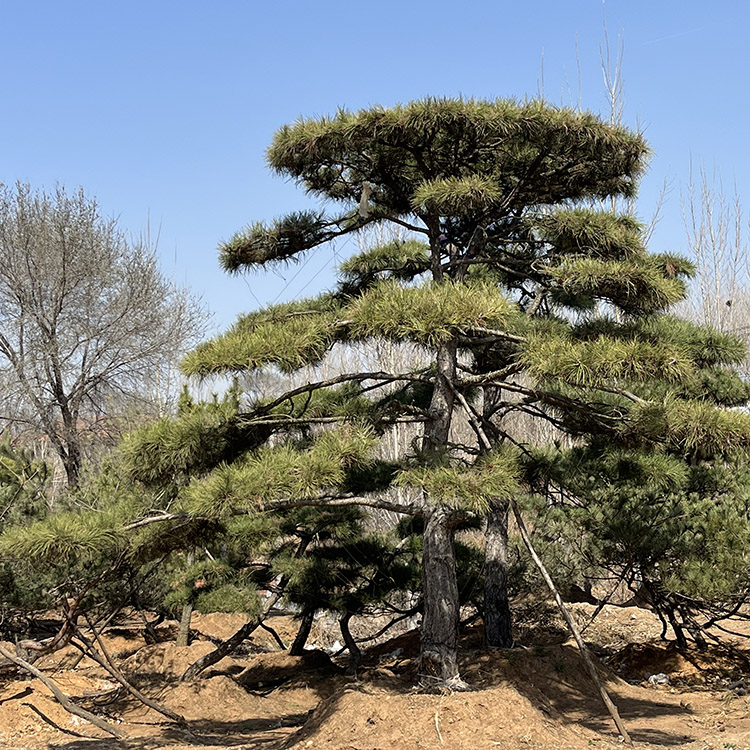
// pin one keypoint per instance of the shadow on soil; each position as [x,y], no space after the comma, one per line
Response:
[551,676]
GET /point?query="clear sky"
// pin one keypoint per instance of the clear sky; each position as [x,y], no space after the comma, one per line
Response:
[163,109]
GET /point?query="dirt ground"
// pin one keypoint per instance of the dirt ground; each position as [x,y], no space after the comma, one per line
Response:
[535,696]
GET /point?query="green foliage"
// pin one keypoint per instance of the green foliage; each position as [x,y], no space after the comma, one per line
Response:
[692,428]
[349,575]
[213,586]
[635,286]
[704,345]
[23,485]
[346,400]
[455,196]
[289,340]
[473,144]
[401,260]
[516,276]
[681,529]
[591,234]
[169,450]
[64,538]
[280,241]
[281,473]
[604,360]
[428,314]
[721,387]
[473,489]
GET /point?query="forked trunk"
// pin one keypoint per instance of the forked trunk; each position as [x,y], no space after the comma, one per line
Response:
[498,631]
[439,652]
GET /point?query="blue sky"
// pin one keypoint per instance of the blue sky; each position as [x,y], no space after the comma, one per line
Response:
[163,110]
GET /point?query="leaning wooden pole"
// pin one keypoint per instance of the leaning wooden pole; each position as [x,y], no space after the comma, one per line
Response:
[611,707]
[61,698]
[105,660]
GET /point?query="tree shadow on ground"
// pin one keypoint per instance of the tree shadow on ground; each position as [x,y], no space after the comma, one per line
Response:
[553,677]
[251,734]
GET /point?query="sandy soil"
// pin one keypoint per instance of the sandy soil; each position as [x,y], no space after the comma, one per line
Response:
[535,696]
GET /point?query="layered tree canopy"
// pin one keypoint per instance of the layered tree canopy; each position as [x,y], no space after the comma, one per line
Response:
[529,302]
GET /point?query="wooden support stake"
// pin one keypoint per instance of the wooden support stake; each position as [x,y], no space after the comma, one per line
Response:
[61,698]
[611,707]
[105,660]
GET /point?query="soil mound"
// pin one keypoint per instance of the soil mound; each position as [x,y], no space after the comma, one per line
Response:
[539,697]
[520,698]
[169,661]
[710,667]
[378,719]
[217,698]
[217,625]
[269,670]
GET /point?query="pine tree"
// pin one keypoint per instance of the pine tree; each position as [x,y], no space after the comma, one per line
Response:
[671,521]
[526,297]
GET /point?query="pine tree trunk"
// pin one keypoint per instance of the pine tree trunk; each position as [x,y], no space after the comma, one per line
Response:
[439,652]
[439,637]
[183,635]
[679,632]
[355,654]
[498,632]
[298,647]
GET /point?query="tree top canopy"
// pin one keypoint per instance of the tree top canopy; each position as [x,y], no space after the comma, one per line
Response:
[461,160]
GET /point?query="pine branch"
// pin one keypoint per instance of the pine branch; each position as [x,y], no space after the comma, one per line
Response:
[105,661]
[385,377]
[332,501]
[344,500]
[556,399]
[283,421]
[488,336]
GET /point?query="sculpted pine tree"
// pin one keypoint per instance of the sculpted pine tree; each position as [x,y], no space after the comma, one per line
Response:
[505,281]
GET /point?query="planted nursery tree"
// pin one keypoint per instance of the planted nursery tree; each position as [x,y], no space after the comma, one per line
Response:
[525,298]
[505,255]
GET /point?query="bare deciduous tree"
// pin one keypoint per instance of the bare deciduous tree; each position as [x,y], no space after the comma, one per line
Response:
[88,322]
[717,236]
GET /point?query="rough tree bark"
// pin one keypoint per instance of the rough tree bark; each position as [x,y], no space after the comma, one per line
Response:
[498,624]
[439,651]
[439,645]
[298,647]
